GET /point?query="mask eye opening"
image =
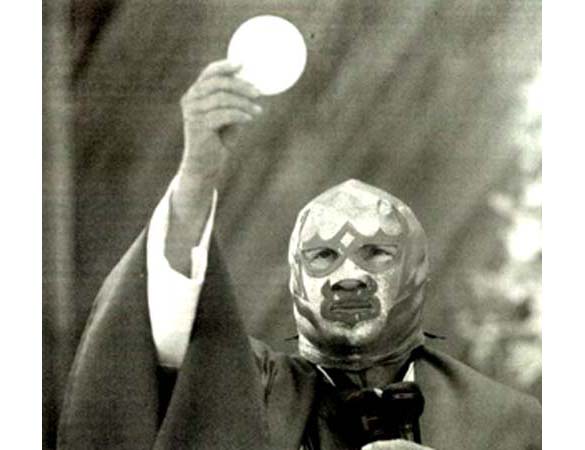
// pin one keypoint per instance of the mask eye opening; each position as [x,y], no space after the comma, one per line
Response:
[320,258]
[378,253]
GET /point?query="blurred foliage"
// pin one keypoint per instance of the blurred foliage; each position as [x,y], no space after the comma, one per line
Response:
[502,325]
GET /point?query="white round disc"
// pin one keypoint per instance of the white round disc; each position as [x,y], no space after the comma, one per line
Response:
[272,52]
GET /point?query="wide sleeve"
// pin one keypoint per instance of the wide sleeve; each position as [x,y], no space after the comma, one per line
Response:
[112,400]
[217,402]
[112,396]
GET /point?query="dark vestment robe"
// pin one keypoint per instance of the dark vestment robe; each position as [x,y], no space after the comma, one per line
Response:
[236,393]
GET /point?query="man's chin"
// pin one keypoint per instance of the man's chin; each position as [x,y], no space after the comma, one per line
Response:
[359,334]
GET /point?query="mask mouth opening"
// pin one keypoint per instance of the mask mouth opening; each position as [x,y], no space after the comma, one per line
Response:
[351,295]
[350,301]
[351,305]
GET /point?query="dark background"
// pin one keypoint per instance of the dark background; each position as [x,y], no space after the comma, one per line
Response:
[426,99]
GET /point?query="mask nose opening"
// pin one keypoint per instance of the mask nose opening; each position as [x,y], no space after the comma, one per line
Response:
[348,284]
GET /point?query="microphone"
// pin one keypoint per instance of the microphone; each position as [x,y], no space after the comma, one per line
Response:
[391,413]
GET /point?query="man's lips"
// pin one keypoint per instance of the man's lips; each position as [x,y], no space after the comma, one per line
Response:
[350,311]
[350,305]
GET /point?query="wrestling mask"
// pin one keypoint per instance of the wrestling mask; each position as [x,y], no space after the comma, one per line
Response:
[358,259]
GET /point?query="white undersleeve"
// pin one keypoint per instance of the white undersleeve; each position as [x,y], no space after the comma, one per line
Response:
[173,297]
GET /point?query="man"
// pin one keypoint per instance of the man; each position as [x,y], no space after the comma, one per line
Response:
[165,361]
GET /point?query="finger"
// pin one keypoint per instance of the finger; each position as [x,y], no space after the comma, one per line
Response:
[394,444]
[221,67]
[381,445]
[224,117]
[229,84]
[371,446]
[219,118]
[223,100]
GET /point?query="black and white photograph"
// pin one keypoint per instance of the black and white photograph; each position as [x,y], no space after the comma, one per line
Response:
[292,224]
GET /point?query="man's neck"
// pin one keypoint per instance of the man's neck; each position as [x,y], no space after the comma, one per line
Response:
[392,362]
[380,375]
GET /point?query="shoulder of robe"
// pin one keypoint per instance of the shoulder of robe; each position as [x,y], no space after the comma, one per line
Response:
[279,364]
[475,406]
[289,391]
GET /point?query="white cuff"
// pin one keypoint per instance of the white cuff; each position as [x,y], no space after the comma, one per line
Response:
[173,297]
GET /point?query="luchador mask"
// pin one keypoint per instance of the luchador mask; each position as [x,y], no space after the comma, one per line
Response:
[358,260]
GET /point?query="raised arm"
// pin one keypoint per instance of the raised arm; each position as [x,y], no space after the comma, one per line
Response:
[216,100]
[180,228]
